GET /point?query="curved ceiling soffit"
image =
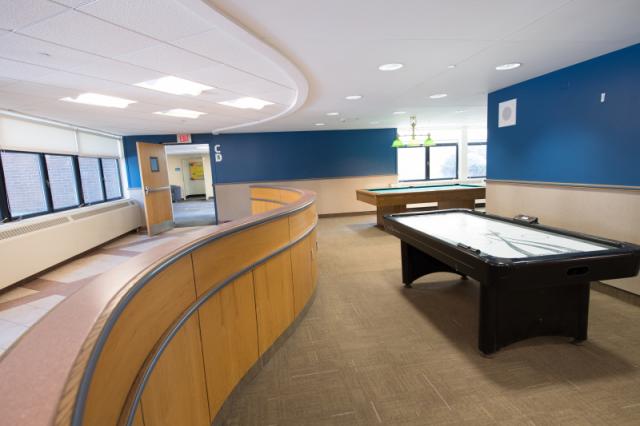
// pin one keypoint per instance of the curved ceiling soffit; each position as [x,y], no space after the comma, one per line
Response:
[230,26]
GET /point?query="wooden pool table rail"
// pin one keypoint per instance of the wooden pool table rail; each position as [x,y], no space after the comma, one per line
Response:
[396,202]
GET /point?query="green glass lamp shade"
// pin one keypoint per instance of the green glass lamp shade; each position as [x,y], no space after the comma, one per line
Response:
[428,141]
[397,143]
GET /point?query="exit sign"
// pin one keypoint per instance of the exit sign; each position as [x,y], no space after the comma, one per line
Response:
[184,138]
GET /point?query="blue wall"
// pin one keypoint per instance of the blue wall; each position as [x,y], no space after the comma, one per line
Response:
[563,133]
[263,157]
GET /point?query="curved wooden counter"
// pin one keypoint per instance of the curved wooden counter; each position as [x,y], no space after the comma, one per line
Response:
[166,337]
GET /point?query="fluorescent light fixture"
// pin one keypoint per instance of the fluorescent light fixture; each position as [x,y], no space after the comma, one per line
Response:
[452,66]
[181,113]
[438,96]
[247,103]
[390,67]
[353,97]
[507,67]
[333,114]
[174,86]
[320,124]
[399,112]
[100,100]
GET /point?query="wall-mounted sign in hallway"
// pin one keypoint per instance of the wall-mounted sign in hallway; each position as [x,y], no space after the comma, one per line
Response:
[507,113]
[218,153]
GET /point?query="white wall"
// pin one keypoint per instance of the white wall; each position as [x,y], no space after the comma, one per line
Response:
[604,212]
[333,195]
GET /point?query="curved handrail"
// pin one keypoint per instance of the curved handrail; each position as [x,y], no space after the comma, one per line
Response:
[166,339]
[62,349]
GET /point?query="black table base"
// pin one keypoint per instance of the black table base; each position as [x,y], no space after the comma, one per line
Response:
[513,311]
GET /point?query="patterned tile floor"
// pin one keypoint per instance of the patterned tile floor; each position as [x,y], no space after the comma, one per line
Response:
[23,305]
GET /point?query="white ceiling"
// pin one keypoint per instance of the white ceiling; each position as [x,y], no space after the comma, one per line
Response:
[51,49]
[339,44]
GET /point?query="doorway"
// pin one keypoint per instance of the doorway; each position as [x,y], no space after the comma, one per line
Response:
[191,179]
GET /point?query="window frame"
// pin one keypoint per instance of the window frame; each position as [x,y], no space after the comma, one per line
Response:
[5,214]
[47,194]
[426,159]
[75,175]
[100,176]
[118,175]
[427,171]
[5,210]
[457,175]
[485,170]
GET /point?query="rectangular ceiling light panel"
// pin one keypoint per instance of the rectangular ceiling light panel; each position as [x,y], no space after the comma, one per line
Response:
[175,86]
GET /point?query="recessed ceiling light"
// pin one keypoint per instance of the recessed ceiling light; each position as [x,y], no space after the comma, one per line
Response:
[319,124]
[99,100]
[399,112]
[438,96]
[507,67]
[331,114]
[247,103]
[353,97]
[452,66]
[174,86]
[181,113]
[390,67]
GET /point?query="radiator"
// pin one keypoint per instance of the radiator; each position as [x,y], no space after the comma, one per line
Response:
[34,245]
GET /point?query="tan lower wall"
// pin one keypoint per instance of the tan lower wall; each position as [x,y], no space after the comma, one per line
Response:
[604,212]
[333,195]
[29,253]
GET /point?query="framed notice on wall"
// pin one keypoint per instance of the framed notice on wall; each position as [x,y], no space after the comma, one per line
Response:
[507,113]
[196,170]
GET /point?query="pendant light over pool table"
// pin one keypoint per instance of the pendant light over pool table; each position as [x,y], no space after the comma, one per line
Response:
[397,143]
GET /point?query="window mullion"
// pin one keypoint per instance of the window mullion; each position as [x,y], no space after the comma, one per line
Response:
[46,182]
[4,200]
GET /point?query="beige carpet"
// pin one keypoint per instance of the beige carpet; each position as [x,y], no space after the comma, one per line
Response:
[371,352]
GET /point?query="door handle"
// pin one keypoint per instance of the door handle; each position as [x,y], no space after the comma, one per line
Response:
[148,189]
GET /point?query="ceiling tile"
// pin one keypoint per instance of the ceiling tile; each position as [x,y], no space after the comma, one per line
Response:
[163,19]
[589,22]
[39,52]
[86,33]
[76,83]
[166,59]
[20,13]
[21,71]
[114,70]
[221,47]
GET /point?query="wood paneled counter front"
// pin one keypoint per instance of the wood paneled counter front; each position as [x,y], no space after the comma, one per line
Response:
[166,337]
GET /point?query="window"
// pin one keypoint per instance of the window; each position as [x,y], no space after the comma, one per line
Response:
[411,164]
[111,174]
[24,183]
[437,162]
[61,173]
[91,178]
[477,159]
[443,162]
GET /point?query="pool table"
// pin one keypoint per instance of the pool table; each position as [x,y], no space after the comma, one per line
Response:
[534,279]
[395,200]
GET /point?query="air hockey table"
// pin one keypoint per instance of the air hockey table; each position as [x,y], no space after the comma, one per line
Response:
[534,279]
